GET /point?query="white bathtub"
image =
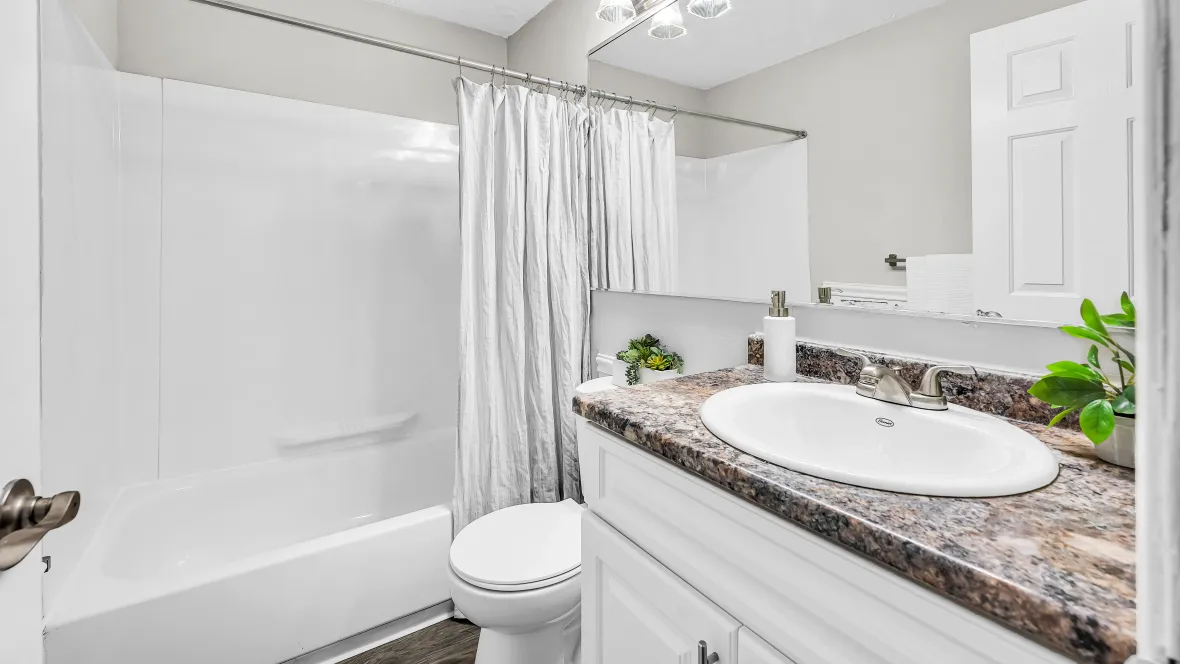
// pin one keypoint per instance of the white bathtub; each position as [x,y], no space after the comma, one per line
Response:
[263,563]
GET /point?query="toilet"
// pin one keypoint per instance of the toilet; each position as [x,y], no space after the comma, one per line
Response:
[516,573]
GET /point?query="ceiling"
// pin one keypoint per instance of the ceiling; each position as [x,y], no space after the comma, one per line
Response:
[754,35]
[499,17]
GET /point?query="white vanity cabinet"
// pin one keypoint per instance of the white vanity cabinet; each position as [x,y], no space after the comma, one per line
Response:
[670,560]
[635,610]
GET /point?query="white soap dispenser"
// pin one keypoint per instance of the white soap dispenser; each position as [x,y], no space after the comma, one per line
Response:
[778,341]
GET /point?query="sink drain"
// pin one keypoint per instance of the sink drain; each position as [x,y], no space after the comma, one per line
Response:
[884,422]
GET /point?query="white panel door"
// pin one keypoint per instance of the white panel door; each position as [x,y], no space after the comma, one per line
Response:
[634,611]
[753,650]
[20,328]
[1057,124]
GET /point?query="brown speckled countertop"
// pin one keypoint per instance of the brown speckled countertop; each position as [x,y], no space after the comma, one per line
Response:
[1057,564]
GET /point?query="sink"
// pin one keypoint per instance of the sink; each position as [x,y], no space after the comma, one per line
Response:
[829,431]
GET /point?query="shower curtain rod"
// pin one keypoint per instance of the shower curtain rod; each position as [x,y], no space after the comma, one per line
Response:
[549,83]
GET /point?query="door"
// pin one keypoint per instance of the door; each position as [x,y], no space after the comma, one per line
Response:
[753,650]
[634,611]
[20,587]
[1057,127]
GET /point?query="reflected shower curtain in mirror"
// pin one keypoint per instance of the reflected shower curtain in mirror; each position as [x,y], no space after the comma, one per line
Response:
[633,227]
[525,297]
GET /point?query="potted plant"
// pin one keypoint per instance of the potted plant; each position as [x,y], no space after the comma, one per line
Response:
[648,362]
[1105,403]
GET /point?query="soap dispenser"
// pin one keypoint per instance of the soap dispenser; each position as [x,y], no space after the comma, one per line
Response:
[778,339]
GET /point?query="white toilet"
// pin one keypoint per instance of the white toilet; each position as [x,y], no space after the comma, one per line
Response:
[516,574]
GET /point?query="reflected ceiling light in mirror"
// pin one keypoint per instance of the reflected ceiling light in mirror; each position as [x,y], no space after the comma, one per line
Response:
[616,11]
[709,8]
[668,24]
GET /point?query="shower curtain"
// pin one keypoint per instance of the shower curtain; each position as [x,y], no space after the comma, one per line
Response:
[525,296]
[633,226]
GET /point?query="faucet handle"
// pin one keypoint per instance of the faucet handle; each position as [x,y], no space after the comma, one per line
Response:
[932,381]
[864,359]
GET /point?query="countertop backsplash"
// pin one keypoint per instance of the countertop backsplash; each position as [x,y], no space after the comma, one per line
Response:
[997,393]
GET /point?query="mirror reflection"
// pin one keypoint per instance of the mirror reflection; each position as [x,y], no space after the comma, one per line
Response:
[962,157]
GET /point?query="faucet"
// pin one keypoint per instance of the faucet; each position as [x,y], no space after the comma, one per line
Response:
[877,381]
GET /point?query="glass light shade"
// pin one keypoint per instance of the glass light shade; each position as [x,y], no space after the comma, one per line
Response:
[668,24]
[709,8]
[616,11]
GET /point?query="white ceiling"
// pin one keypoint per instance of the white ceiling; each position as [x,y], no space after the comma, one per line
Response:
[499,17]
[754,35]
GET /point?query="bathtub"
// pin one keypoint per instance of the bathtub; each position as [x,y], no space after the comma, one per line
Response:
[263,563]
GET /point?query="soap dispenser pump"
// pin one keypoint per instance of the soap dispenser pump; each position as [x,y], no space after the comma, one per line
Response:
[778,339]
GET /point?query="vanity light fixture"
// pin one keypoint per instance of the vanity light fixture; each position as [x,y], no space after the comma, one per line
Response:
[668,24]
[709,8]
[616,11]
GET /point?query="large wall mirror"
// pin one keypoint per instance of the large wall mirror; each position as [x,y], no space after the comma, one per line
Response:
[962,157]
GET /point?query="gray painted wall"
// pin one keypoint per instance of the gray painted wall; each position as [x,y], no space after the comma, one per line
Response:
[889,117]
[182,40]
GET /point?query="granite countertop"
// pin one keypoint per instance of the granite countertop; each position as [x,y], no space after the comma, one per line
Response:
[1057,564]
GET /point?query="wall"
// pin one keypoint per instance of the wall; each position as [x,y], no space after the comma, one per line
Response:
[182,40]
[310,274]
[101,20]
[743,225]
[555,42]
[888,114]
[90,339]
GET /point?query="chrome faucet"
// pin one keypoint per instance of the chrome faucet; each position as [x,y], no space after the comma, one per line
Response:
[877,381]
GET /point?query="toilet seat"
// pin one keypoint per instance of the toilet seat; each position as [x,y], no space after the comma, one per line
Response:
[520,548]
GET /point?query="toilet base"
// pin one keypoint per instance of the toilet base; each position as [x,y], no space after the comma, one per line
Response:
[559,642]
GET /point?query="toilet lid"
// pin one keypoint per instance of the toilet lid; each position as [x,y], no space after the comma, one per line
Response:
[523,545]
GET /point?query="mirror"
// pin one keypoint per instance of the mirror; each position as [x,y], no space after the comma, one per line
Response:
[991,147]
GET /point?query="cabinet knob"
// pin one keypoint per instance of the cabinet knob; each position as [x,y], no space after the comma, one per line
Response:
[703,654]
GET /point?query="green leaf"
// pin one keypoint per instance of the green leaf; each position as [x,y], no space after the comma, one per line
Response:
[1128,306]
[1098,421]
[1060,416]
[1123,405]
[1092,319]
[1127,365]
[1085,333]
[1130,393]
[1074,369]
[1092,358]
[1119,320]
[1067,391]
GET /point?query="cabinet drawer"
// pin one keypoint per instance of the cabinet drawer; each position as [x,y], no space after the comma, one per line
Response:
[634,611]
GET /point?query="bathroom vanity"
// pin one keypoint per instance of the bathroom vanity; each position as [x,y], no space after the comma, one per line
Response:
[688,540]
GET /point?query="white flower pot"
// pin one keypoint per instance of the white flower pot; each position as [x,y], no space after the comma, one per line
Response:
[1119,449]
[648,376]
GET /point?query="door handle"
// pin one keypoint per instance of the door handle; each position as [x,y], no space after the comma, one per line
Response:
[703,654]
[25,518]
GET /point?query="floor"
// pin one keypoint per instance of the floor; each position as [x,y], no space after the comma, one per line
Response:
[447,642]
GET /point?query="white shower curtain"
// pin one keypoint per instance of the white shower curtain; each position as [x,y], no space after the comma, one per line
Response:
[525,297]
[633,227]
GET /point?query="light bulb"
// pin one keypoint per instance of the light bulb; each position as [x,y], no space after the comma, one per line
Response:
[616,11]
[709,8]
[668,24]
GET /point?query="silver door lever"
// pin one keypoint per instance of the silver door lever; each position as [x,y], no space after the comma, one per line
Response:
[25,518]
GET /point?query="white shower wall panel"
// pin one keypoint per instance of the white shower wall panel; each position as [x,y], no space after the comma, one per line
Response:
[310,275]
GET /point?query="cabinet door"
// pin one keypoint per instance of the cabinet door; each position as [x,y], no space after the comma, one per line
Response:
[753,650]
[634,611]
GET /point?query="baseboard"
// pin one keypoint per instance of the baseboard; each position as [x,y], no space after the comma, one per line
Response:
[378,636]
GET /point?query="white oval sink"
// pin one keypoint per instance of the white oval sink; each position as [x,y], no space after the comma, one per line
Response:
[829,431]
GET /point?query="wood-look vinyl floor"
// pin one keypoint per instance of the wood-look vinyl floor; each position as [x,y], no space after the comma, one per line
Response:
[447,642]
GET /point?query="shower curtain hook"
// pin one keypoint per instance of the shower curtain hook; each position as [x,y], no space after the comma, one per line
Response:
[460,67]
[630,103]
[675,112]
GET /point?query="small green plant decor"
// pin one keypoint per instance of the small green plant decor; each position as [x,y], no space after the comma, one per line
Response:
[646,353]
[1073,387]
